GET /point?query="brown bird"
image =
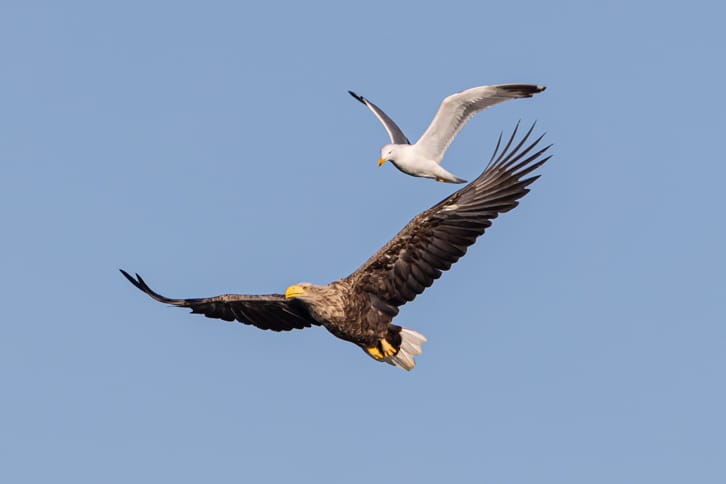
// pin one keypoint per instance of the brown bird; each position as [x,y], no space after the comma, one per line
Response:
[360,308]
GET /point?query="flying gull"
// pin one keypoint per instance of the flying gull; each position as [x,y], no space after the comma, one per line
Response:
[423,158]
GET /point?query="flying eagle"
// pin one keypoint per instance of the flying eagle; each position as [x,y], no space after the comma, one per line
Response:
[360,308]
[423,158]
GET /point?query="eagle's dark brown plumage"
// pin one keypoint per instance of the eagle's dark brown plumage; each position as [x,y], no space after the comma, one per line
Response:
[360,307]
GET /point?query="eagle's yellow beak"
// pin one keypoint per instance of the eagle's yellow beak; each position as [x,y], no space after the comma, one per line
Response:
[381,161]
[294,291]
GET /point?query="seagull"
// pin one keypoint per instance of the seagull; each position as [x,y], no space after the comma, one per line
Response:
[423,158]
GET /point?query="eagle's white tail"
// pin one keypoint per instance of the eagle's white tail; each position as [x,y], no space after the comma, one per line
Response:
[411,342]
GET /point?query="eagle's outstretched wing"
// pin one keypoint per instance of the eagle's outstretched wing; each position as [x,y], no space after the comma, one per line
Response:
[269,311]
[439,236]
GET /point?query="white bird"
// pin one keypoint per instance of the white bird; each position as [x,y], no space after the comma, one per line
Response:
[423,158]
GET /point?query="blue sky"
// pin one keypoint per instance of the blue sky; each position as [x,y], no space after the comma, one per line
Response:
[212,147]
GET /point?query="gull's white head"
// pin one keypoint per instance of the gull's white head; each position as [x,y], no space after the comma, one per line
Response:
[388,153]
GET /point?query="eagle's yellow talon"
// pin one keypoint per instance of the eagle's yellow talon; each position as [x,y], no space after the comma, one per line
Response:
[388,349]
[383,349]
[375,352]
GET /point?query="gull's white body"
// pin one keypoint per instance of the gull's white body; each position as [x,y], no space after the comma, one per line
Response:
[423,158]
[414,161]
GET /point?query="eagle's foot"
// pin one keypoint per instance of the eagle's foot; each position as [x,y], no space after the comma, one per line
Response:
[383,349]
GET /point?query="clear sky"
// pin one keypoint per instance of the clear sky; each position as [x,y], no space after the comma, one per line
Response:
[212,147]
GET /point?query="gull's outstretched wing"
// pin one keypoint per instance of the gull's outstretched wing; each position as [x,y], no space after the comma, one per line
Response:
[270,311]
[394,132]
[439,236]
[459,108]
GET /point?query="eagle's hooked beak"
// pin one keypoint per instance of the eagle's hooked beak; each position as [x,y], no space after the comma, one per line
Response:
[294,291]
[381,161]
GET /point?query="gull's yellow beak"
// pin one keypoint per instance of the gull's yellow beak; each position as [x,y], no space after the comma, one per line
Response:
[381,161]
[294,291]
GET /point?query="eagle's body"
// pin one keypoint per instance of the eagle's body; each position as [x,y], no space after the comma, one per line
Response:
[360,308]
[339,303]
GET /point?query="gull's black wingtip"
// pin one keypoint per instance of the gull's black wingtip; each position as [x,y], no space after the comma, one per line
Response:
[358,97]
[523,90]
[533,89]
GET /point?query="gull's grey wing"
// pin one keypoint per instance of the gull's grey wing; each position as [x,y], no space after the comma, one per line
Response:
[394,132]
[436,238]
[459,108]
[270,311]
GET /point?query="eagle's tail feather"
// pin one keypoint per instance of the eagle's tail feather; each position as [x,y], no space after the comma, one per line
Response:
[411,342]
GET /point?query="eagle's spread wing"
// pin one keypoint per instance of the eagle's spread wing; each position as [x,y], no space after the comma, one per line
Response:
[270,311]
[438,237]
